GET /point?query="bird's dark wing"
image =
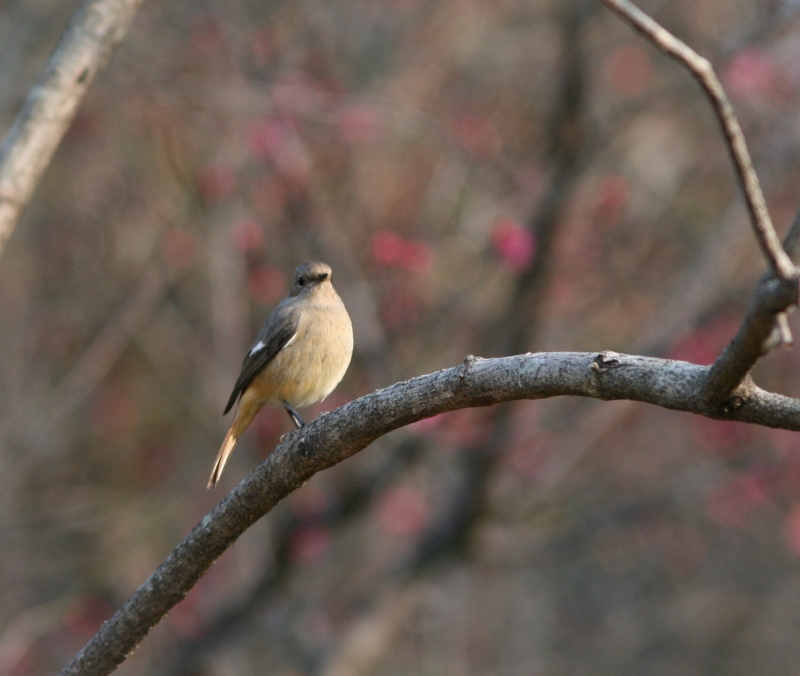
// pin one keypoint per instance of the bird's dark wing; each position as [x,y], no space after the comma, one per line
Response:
[278,330]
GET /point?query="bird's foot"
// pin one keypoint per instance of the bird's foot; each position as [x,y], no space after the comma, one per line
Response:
[294,415]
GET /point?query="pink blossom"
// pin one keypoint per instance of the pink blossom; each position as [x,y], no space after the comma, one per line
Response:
[426,426]
[611,200]
[215,182]
[403,512]
[390,249]
[359,123]
[266,285]
[266,137]
[721,435]
[732,502]
[247,235]
[514,243]
[400,310]
[750,73]
[704,344]
[476,133]
[309,544]
[296,92]
[386,247]
[87,614]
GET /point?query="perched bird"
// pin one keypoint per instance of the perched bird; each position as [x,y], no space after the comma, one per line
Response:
[301,353]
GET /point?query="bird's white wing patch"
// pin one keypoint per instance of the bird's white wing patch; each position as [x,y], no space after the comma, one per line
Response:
[290,341]
[256,348]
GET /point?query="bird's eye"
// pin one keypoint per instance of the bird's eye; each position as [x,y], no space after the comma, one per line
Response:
[301,281]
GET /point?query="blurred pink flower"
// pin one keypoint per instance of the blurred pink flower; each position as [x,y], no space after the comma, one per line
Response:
[721,435]
[426,426]
[400,310]
[403,511]
[276,140]
[750,73]
[476,133]
[86,615]
[266,136]
[611,200]
[295,92]
[529,459]
[359,123]
[628,69]
[247,235]
[309,544]
[732,502]
[703,345]
[385,247]
[390,249]
[266,285]
[215,182]
[179,247]
[514,243]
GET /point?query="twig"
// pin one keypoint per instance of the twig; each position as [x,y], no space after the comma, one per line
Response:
[333,437]
[92,34]
[764,327]
[701,68]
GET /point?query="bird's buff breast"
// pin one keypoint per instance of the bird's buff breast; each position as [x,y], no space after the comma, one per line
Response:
[311,366]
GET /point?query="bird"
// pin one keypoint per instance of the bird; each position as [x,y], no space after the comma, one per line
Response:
[299,356]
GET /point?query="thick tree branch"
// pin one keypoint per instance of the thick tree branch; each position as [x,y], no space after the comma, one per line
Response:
[335,436]
[764,327]
[703,71]
[93,33]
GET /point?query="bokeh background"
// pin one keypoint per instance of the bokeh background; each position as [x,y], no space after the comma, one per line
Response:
[485,177]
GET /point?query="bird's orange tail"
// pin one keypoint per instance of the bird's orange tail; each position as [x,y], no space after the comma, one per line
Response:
[222,457]
[249,405]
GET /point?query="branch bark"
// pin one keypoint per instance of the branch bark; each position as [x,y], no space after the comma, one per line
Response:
[97,27]
[335,436]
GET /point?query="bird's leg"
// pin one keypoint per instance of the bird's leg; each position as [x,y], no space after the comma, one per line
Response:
[294,415]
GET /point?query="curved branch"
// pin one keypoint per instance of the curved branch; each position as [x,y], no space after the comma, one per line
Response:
[335,436]
[93,33]
[702,70]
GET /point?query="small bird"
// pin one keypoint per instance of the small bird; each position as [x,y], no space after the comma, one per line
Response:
[301,353]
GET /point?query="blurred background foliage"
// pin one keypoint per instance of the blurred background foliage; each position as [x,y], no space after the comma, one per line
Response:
[485,178]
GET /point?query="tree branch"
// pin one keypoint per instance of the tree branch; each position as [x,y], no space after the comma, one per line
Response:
[335,436]
[765,326]
[97,27]
[701,68]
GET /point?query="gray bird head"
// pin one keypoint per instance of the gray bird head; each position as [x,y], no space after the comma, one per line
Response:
[310,276]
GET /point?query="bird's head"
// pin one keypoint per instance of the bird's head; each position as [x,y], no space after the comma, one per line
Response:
[310,276]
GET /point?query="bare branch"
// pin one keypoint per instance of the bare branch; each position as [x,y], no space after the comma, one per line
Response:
[335,436]
[764,327]
[93,33]
[703,71]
